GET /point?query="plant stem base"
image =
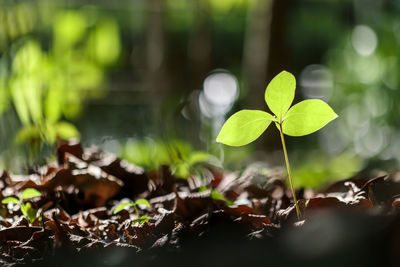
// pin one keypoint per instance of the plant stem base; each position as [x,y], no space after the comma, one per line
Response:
[289,173]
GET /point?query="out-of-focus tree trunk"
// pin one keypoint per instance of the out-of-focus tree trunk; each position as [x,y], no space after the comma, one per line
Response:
[158,84]
[200,42]
[256,49]
[265,54]
[155,42]
[278,57]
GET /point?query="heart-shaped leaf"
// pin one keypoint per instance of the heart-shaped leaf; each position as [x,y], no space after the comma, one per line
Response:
[29,212]
[10,199]
[30,193]
[307,117]
[244,126]
[122,206]
[141,220]
[142,201]
[279,94]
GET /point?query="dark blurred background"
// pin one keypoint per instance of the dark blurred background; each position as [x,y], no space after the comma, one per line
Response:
[137,77]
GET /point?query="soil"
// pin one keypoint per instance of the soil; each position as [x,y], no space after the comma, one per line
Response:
[355,222]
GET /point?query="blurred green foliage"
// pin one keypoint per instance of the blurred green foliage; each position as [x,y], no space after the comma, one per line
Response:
[47,86]
[26,207]
[55,57]
[355,68]
[179,155]
[318,169]
[366,90]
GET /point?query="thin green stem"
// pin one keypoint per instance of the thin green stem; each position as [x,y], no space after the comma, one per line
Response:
[136,210]
[289,173]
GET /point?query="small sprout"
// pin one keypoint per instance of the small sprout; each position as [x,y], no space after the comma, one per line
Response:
[202,188]
[140,201]
[26,208]
[214,194]
[10,200]
[30,193]
[29,212]
[122,206]
[218,196]
[141,219]
[304,118]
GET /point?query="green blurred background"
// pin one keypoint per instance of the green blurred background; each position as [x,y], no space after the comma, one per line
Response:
[154,80]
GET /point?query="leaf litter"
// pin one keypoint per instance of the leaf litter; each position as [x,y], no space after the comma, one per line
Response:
[253,219]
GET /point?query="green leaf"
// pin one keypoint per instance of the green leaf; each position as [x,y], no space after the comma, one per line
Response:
[244,126]
[49,133]
[33,98]
[29,212]
[104,42]
[217,195]
[18,99]
[28,134]
[279,94]
[307,117]
[52,105]
[30,193]
[198,157]
[141,219]
[122,206]
[181,169]
[4,91]
[10,199]
[24,209]
[202,188]
[142,201]
[66,130]
[69,28]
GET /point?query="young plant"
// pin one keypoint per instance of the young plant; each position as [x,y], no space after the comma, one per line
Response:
[140,201]
[26,208]
[304,118]
[214,194]
[180,156]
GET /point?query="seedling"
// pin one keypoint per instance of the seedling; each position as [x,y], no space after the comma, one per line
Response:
[304,118]
[140,201]
[26,208]
[214,194]
[180,156]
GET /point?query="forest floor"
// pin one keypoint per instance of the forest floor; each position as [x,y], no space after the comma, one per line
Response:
[236,219]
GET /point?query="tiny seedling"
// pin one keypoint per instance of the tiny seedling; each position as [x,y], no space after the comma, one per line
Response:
[140,201]
[26,208]
[214,194]
[303,118]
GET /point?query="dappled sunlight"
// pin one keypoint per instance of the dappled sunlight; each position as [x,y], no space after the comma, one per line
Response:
[364,40]
[48,87]
[199,132]
[178,69]
[317,82]
[220,90]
